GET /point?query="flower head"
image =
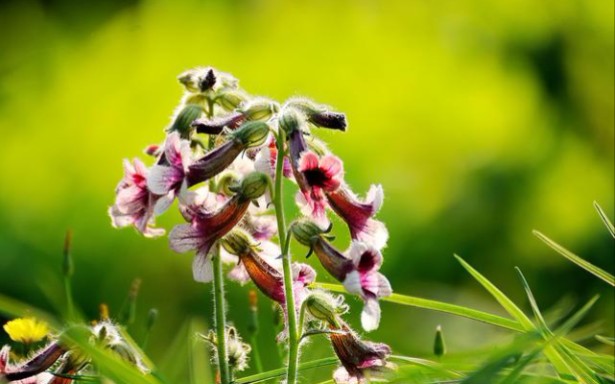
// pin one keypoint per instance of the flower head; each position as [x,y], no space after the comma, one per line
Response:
[26,330]
[168,175]
[134,204]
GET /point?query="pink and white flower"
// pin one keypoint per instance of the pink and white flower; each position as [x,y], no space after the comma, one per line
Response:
[170,173]
[135,205]
[358,214]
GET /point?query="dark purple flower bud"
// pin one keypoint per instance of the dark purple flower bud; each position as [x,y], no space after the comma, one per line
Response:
[216,126]
[35,365]
[207,82]
[328,119]
[357,357]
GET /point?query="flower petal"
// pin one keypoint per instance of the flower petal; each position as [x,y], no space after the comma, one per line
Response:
[370,316]
[202,267]
[163,179]
[331,165]
[308,160]
[352,283]
[184,238]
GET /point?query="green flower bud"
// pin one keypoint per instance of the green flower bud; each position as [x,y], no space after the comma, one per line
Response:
[254,185]
[252,133]
[237,242]
[325,307]
[228,183]
[260,109]
[305,231]
[190,80]
[152,316]
[439,348]
[183,120]
[231,99]
[289,121]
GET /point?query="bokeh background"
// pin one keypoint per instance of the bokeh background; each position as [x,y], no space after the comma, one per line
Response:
[482,119]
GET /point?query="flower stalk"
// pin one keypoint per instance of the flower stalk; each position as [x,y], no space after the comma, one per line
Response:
[225,375]
[293,336]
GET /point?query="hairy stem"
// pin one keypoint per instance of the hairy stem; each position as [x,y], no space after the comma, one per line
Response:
[293,337]
[220,317]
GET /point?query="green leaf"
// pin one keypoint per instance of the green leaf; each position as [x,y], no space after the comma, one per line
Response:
[606,340]
[264,376]
[609,225]
[439,306]
[596,271]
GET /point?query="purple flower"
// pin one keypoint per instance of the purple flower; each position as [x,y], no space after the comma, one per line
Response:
[358,214]
[135,204]
[357,357]
[168,175]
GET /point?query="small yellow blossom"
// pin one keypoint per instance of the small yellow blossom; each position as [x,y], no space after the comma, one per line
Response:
[26,330]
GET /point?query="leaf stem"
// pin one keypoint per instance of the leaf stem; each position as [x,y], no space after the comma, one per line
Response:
[293,337]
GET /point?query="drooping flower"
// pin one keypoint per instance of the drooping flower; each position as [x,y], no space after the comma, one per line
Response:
[207,225]
[168,175]
[134,204]
[357,269]
[358,214]
[360,359]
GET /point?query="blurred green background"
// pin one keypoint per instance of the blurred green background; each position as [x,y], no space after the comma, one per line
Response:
[482,119]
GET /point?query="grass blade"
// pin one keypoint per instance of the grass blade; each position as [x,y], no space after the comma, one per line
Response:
[609,225]
[589,267]
[264,376]
[439,306]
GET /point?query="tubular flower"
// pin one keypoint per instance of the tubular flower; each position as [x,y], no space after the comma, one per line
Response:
[207,225]
[134,203]
[249,135]
[168,175]
[358,214]
[357,269]
[359,358]
[266,275]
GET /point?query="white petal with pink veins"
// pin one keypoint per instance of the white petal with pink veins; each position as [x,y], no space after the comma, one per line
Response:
[384,286]
[202,268]
[352,283]
[374,233]
[163,203]
[375,197]
[184,238]
[162,178]
[370,316]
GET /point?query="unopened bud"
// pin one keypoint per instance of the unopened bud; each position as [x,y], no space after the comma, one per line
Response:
[290,120]
[260,109]
[231,99]
[254,185]
[216,126]
[305,231]
[68,267]
[189,80]
[228,183]
[439,348]
[152,150]
[237,242]
[103,310]
[253,300]
[328,119]
[152,316]
[183,120]
[252,133]
[207,82]
[324,307]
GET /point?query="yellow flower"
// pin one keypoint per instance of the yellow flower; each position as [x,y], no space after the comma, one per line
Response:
[26,330]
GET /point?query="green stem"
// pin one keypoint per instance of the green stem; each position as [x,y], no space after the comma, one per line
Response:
[220,317]
[293,337]
[69,299]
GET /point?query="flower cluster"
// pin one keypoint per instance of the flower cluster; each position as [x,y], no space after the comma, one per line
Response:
[222,153]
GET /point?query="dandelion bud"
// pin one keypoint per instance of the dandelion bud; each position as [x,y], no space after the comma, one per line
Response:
[231,99]
[325,308]
[237,242]
[183,120]
[439,348]
[252,134]
[254,185]
[260,109]
[305,231]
